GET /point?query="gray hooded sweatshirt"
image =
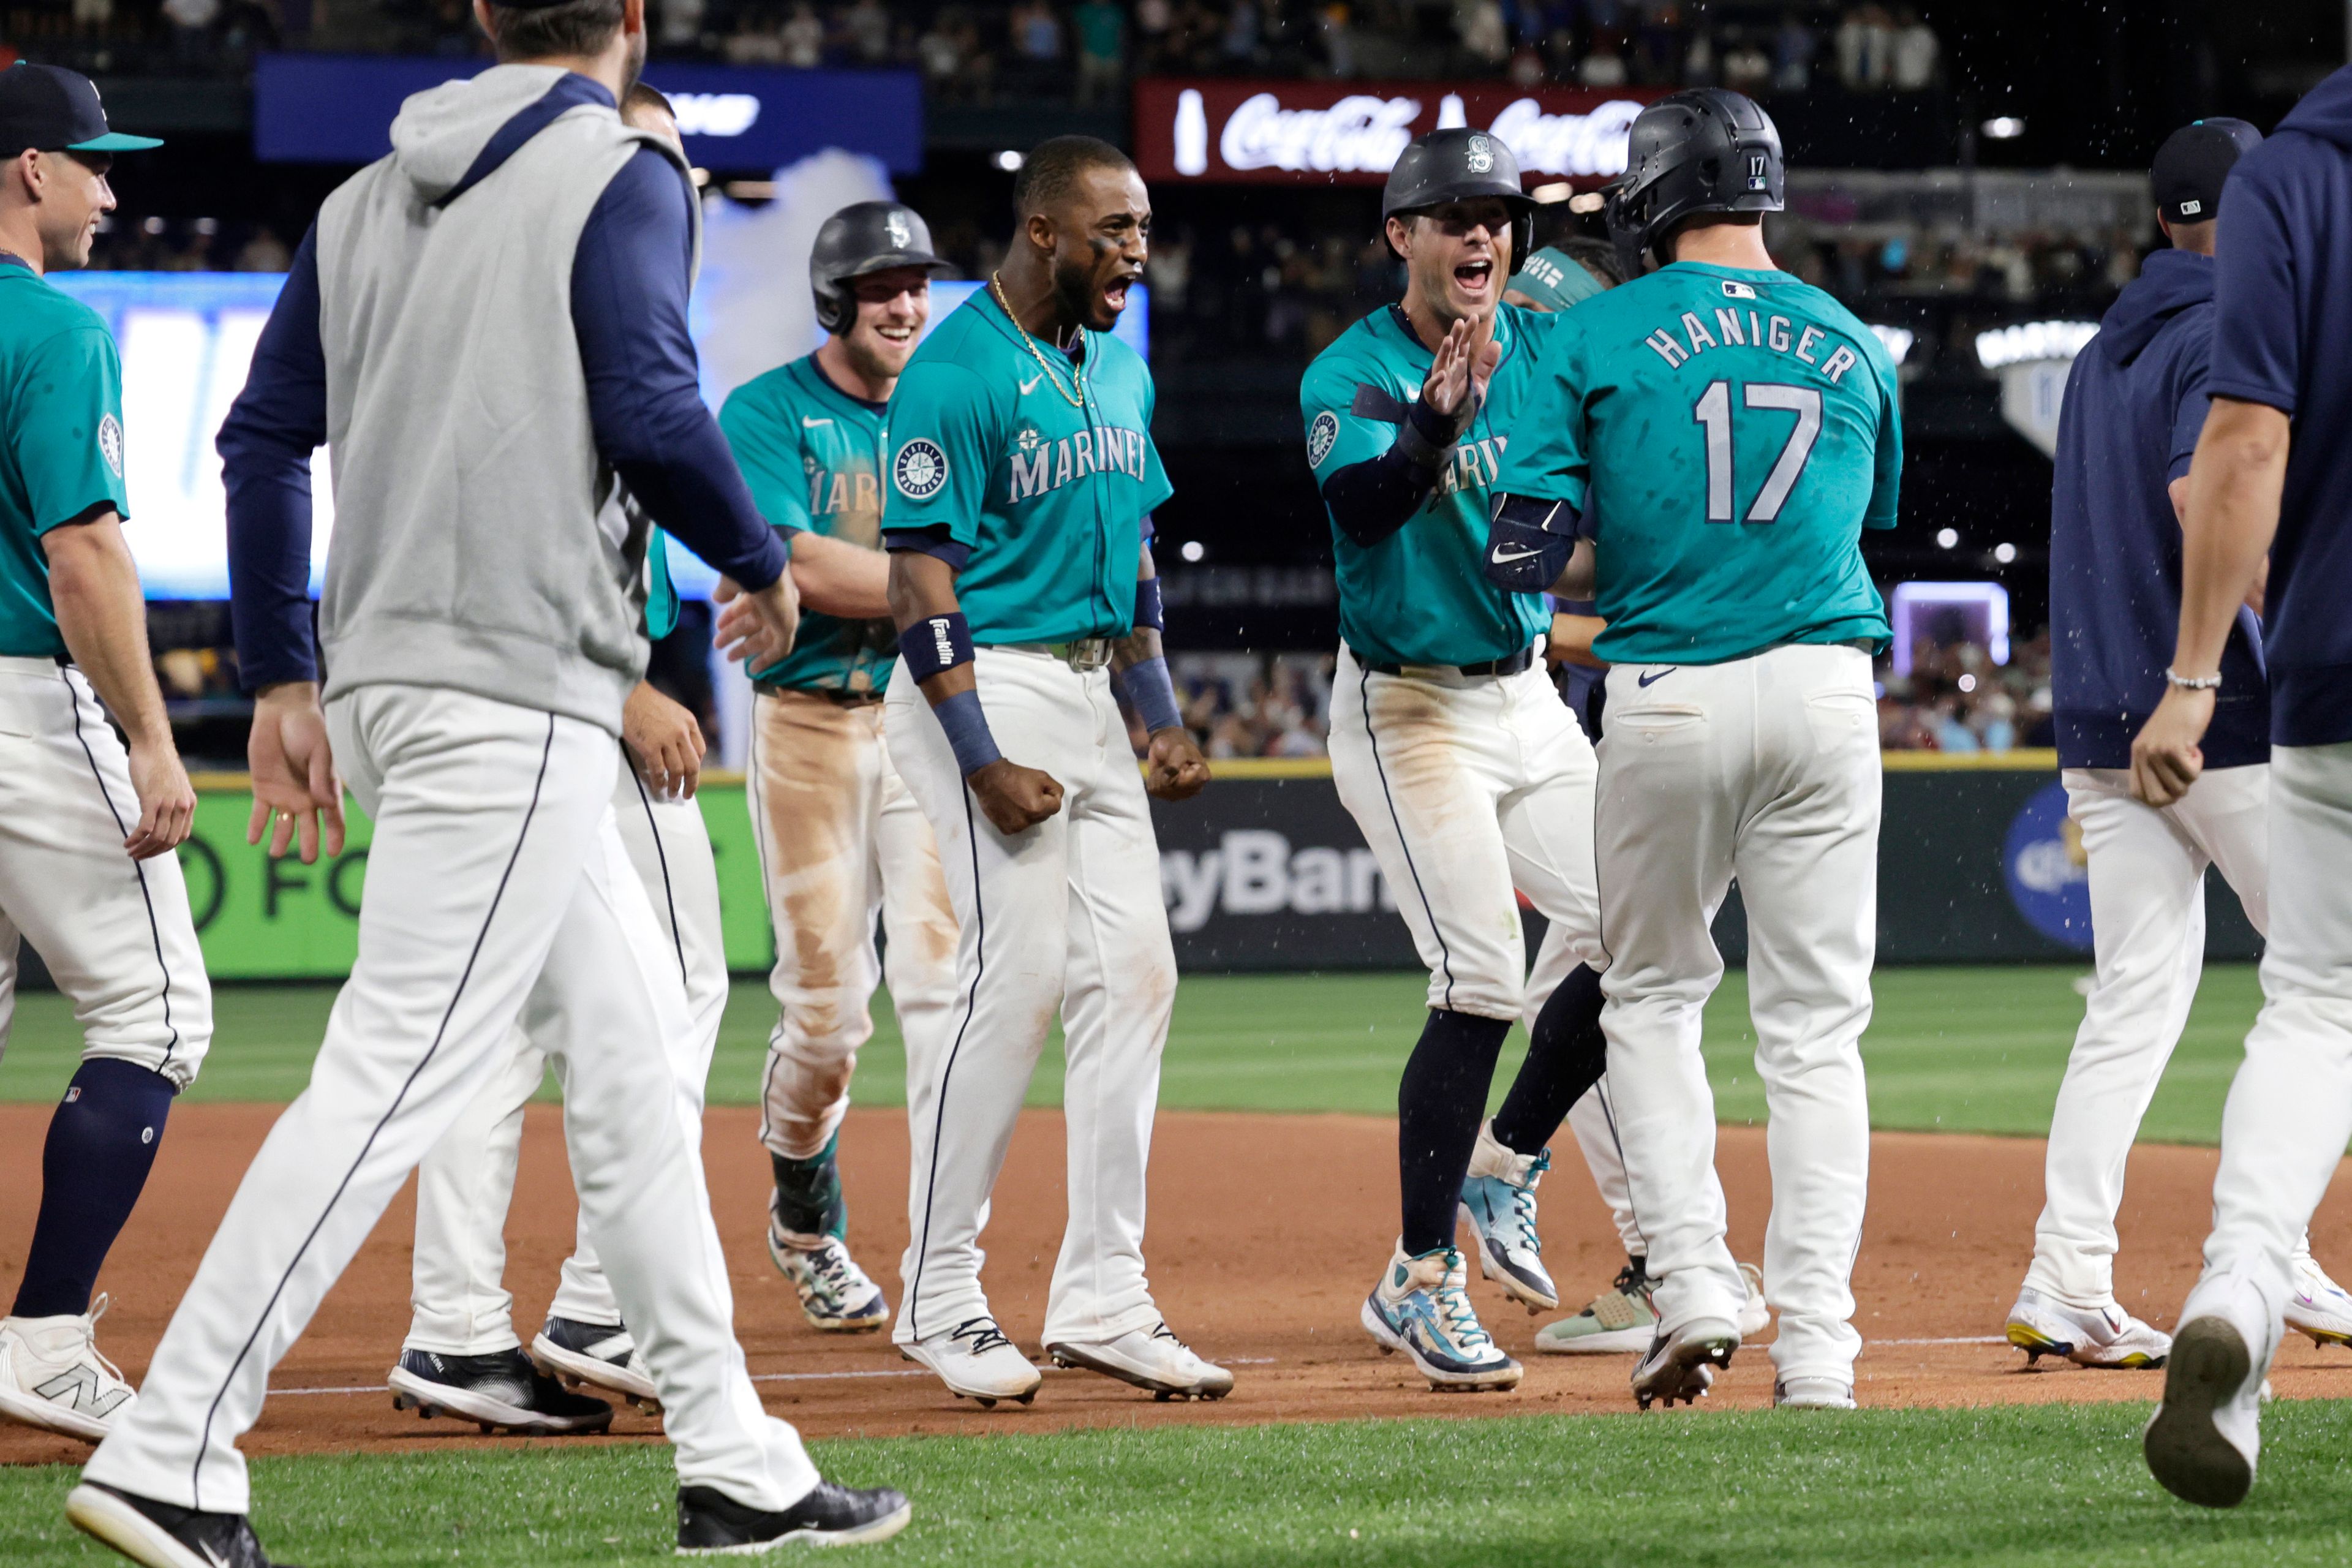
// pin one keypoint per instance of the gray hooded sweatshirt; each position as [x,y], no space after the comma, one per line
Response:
[477,543]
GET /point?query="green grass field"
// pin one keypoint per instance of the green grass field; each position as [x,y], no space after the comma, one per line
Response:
[1977,1050]
[2059,1486]
[1951,1049]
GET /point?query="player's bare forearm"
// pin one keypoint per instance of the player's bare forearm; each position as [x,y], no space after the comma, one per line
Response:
[2179,490]
[1014,798]
[665,743]
[837,578]
[102,615]
[1576,579]
[1571,640]
[2232,515]
[2233,508]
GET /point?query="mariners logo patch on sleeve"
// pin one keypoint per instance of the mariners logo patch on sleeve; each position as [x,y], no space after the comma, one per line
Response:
[920,469]
[110,443]
[1319,436]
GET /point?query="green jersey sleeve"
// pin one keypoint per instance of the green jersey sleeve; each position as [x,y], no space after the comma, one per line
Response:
[1887,476]
[1337,436]
[945,431]
[67,432]
[767,448]
[1547,455]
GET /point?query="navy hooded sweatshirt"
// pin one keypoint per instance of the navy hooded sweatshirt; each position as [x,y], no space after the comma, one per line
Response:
[2135,404]
[2282,337]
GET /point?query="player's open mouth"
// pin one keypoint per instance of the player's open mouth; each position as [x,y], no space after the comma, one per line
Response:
[1474,275]
[1115,293]
[896,334]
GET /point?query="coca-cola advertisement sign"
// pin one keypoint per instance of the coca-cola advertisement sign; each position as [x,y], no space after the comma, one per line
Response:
[1220,131]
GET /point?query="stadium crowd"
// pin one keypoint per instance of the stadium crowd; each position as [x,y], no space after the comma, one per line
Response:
[1084,52]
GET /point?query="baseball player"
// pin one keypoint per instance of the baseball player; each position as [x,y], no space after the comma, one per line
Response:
[1463,770]
[462,1358]
[2272,474]
[86,829]
[1021,476]
[488,326]
[2135,399]
[1621,1320]
[1720,433]
[839,837]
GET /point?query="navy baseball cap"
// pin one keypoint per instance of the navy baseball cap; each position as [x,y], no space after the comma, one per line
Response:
[53,109]
[2192,164]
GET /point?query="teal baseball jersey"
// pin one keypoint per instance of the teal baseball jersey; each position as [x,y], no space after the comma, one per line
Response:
[1048,498]
[661,593]
[1727,435]
[1418,596]
[60,443]
[813,454]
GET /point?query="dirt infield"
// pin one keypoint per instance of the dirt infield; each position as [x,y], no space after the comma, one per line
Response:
[1265,1233]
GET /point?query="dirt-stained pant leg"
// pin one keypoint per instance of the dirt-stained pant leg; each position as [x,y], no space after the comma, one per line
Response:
[830,844]
[1419,765]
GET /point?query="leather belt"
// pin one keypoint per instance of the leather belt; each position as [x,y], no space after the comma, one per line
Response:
[1511,664]
[1082,655]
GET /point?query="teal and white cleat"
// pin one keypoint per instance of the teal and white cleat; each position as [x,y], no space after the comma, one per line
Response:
[1498,1199]
[1422,1306]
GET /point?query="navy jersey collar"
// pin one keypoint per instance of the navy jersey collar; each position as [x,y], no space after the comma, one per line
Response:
[815,370]
[10,258]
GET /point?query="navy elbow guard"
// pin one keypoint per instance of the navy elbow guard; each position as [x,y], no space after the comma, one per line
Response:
[1528,542]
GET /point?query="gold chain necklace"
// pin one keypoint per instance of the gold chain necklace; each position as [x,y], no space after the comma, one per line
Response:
[1078,374]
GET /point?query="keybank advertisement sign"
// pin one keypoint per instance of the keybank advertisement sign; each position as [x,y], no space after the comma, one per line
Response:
[1214,131]
[338,109]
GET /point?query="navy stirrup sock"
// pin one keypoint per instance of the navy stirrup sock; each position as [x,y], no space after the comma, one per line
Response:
[101,1144]
[1566,1053]
[1440,1101]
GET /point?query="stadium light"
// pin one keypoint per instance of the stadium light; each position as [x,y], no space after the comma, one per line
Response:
[2032,340]
[1979,609]
[2004,553]
[1948,537]
[1192,550]
[1898,341]
[2003,128]
[1009,161]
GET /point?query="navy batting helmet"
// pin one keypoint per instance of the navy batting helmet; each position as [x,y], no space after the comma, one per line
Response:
[1710,150]
[1458,165]
[868,237]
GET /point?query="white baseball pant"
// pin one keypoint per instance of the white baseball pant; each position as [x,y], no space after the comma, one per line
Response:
[497,888]
[2289,1113]
[1067,914]
[841,842]
[458,1300]
[1765,769]
[116,933]
[2148,926]
[1467,788]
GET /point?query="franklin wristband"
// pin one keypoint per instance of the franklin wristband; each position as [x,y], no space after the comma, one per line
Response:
[1148,609]
[967,729]
[935,645]
[1151,690]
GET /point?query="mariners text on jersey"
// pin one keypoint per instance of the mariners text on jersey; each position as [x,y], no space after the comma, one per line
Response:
[1037,500]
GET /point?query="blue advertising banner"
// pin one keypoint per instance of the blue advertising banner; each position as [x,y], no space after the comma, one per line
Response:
[338,109]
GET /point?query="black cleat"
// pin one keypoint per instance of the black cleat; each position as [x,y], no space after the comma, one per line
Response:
[163,1535]
[498,1392]
[711,1522]
[595,1356]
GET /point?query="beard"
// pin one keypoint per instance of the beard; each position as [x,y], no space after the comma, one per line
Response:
[635,67]
[1075,294]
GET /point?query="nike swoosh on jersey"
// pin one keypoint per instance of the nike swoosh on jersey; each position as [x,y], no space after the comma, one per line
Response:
[1501,559]
[1030,385]
[1653,679]
[809,424]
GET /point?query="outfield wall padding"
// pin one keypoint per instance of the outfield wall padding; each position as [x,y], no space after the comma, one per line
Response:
[1266,870]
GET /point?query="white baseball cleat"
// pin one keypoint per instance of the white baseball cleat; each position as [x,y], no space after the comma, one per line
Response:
[1813,1394]
[1681,1365]
[2203,1439]
[53,1377]
[977,1361]
[1154,1359]
[2316,1305]
[1622,1321]
[2105,1336]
